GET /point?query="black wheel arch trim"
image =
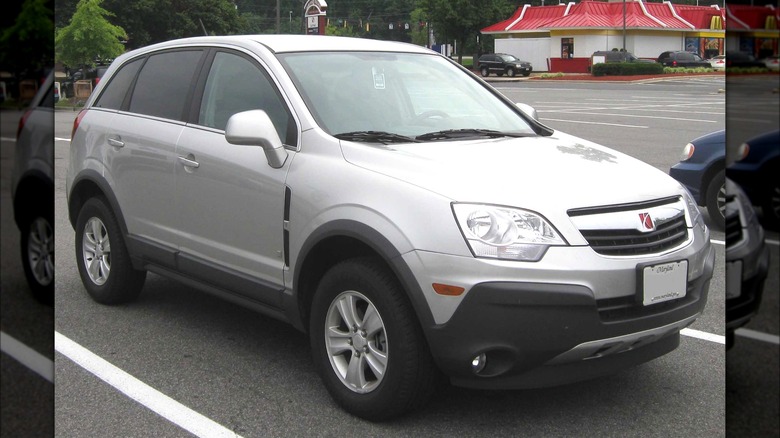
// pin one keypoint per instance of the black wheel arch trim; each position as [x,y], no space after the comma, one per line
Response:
[92,176]
[381,246]
[33,179]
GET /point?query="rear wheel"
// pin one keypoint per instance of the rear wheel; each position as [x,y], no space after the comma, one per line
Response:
[510,72]
[102,257]
[366,343]
[770,207]
[37,245]
[485,72]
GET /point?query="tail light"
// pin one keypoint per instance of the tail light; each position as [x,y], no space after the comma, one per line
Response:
[22,122]
[76,122]
[674,63]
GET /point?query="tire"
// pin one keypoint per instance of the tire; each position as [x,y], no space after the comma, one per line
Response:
[381,366]
[715,199]
[770,206]
[37,244]
[510,72]
[102,257]
[485,72]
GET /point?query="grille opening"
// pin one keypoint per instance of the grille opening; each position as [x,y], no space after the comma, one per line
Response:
[666,236]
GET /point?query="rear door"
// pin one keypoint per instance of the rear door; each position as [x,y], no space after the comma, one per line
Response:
[140,141]
[230,202]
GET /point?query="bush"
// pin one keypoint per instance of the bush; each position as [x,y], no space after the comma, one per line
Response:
[627,68]
[673,70]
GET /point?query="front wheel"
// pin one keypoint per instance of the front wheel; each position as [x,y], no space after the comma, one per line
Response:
[366,343]
[716,200]
[102,257]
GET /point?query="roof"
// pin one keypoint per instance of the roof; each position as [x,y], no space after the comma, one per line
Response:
[744,17]
[605,14]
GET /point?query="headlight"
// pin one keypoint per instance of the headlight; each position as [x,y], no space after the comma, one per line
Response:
[693,210]
[687,152]
[743,151]
[505,233]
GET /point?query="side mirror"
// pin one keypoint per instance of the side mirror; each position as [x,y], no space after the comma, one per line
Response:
[254,128]
[528,110]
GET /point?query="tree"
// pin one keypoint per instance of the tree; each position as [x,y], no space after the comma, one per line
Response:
[461,20]
[88,37]
[26,45]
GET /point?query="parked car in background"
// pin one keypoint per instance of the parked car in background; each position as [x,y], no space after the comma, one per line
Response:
[742,59]
[680,58]
[614,56]
[702,171]
[290,173]
[747,261]
[757,171]
[502,63]
[718,62]
[32,189]
[772,63]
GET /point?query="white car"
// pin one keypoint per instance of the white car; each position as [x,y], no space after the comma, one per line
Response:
[772,63]
[718,62]
[388,202]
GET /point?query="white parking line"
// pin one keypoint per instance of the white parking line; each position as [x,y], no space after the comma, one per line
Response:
[62,139]
[595,123]
[577,111]
[758,336]
[703,335]
[144,394]
[28,357]
[8,139]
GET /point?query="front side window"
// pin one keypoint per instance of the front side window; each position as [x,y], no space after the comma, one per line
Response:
[235,84]
[398,93]
[164,84]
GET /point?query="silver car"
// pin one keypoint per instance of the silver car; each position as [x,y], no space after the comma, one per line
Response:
[389,203]
[32,186]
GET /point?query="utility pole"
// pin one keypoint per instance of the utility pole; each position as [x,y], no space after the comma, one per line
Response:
[278,20]
[624,26]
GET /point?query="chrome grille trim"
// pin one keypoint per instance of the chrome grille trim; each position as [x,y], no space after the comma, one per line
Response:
[619,231]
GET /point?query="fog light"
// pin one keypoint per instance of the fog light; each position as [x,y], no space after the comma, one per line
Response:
[478,363]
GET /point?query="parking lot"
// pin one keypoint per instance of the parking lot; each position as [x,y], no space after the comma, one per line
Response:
[239,372]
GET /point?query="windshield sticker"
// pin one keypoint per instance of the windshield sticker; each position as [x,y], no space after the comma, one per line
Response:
[379,78]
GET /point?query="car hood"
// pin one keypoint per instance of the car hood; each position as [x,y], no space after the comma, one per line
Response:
[546,174]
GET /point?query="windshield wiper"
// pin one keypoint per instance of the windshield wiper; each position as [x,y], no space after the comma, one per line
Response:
[467,133]
[375,136]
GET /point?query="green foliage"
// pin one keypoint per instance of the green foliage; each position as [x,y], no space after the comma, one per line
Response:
[673,70]
[27,46]
[746,70]
[627,68]
[88,37]
[347,31]
[551,75]
[461,20]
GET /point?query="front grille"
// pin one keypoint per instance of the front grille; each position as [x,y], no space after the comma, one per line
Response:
[733,227]
[627,242]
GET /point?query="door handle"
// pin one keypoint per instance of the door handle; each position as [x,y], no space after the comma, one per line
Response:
[116,141]
[189,161]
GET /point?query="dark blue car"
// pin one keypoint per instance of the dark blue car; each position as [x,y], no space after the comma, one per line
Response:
[757,171]
[702,171]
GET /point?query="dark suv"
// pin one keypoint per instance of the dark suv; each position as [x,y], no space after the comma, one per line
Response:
[500,63]
[613,56]
[681,58]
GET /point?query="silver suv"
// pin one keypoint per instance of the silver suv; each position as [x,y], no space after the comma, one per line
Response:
[389,203]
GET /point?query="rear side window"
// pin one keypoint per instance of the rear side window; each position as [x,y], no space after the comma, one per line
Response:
[114,94]
[164,84]
[685,56]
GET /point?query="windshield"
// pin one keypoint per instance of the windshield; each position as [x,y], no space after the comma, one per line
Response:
[400,94]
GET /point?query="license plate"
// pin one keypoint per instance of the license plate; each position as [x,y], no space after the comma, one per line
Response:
[664,282]
[733,279]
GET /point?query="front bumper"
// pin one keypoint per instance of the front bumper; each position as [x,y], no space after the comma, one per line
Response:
[538,333]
